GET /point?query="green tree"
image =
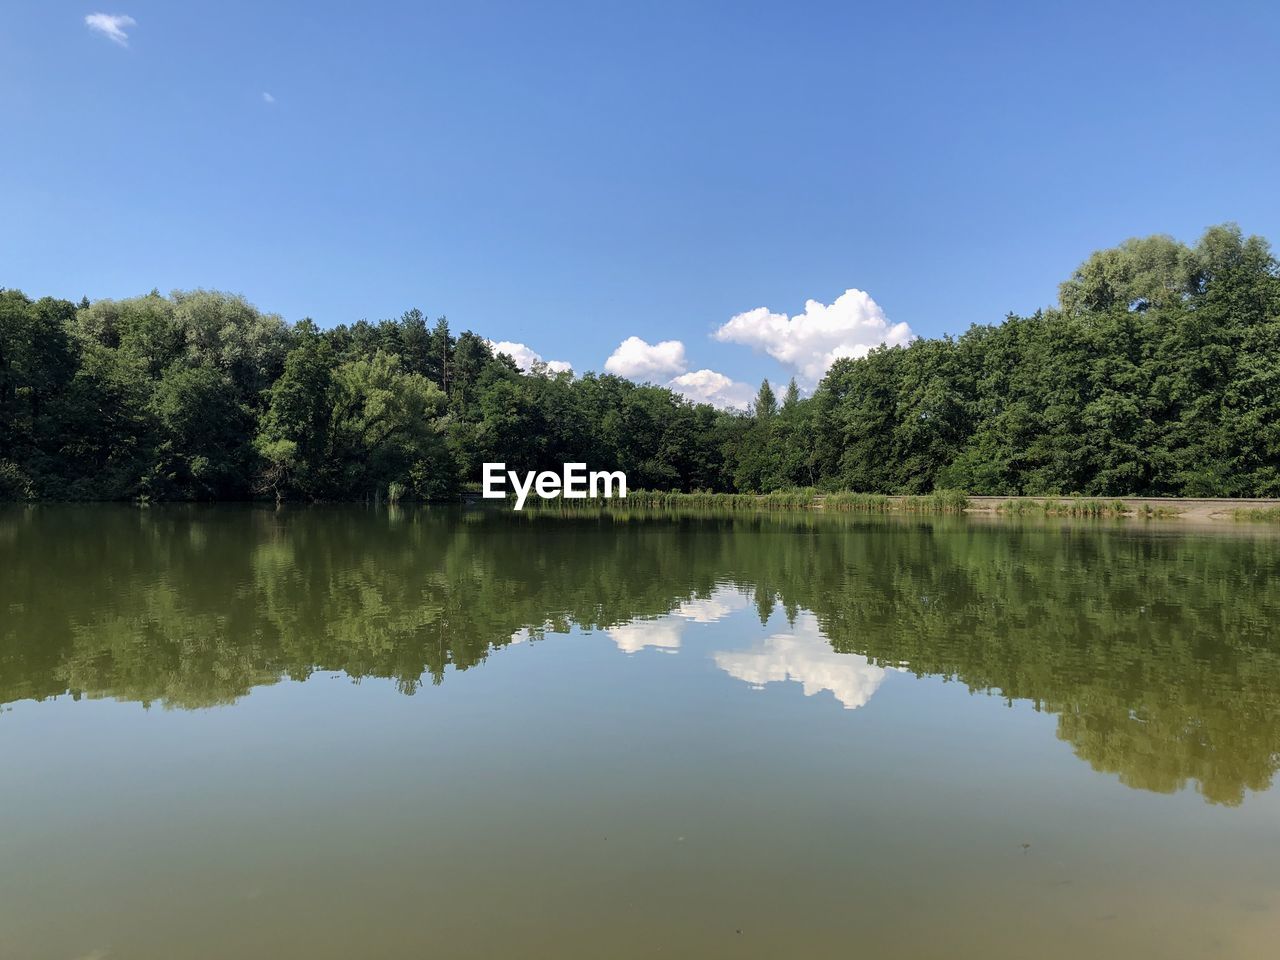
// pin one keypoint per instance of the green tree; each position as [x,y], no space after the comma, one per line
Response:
[293,439]
[203,449]
[383,429]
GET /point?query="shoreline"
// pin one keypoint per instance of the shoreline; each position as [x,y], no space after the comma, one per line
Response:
[1196,509]
[1168,508]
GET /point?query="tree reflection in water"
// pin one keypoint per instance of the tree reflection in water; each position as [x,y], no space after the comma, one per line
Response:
[1155,649]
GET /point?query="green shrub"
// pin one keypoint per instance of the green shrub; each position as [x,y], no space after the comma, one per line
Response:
[14,484]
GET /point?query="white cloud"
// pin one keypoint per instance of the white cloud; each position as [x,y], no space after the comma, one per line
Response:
[805,657]
[526,357]
[722,602]
[708,386]
[811,341]
[662,634]
[267,98]
[639,360]
[111,26]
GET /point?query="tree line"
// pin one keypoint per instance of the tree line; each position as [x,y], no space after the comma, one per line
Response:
[1157,373]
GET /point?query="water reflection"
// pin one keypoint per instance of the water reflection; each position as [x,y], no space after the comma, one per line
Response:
[661,634]
[1157,652]
[805,656]
[665,633]
[723,602]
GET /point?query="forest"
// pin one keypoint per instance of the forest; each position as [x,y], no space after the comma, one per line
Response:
[1157,373]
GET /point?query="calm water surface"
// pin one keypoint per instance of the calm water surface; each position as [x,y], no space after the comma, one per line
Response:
[335,733]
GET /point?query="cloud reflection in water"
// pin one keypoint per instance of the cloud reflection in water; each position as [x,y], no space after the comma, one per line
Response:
[805,656]
[664,633]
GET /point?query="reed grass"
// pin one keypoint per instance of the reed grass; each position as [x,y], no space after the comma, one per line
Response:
[1077,506]
[1072,507]
[1158,513]
[940,501]
[804,498]
[1262,514]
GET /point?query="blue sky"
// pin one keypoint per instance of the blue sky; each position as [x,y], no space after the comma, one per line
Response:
[566,176]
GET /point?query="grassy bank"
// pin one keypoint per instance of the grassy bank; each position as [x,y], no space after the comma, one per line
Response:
[1264,514]
[938,502]
[703,500]
[1082,507]
[942,501]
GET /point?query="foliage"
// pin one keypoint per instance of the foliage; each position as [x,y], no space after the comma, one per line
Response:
[1158,374]
[14,484]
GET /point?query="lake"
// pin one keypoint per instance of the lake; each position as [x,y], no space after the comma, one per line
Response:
[336,732]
